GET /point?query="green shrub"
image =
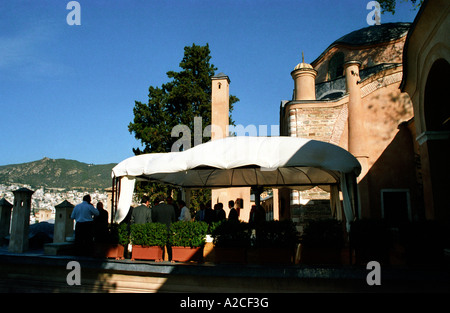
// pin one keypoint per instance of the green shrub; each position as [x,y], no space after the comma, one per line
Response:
[124,234]
[371,240]
[369,233]
[119,234]
[326,233]
[213,226]
[232,234]
[275,234]
[150,234]
[188,234]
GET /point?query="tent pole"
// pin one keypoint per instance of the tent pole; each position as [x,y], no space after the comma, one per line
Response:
[112,201]
[356,198]
[118,185]
[257,191]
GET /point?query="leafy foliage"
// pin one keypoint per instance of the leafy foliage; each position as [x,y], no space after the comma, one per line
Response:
[371,239]
[149,234]
[232,234]
[119,234]
[199,196]
[324,233]
[389,5]
[188,234]
[177,102]
[276,234]
[369,233]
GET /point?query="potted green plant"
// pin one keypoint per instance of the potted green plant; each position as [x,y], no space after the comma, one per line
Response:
[187,240]
[275,242]
[117,240]
[148,241]
[231,241]
[322,242]
[371,240]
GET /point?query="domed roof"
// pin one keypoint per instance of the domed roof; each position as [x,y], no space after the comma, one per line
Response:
[370,35]
[303,65]
[374,34]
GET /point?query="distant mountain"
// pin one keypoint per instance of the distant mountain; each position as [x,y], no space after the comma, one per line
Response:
[59,173]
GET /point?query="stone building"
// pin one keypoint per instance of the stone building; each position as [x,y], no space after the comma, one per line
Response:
[44,215]
[426,63]
[350,96]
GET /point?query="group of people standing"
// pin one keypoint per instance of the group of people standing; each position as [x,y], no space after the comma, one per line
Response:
[161,212]
[167,212]
[92,223]
[209,215]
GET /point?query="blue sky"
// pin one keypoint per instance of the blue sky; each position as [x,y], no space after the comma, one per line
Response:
[69,91]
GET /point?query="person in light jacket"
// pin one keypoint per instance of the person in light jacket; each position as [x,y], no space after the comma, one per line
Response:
[185,215]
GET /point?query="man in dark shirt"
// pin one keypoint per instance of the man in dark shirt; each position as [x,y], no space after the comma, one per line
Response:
[169,201]
[101,224]
[233,215]
[219,211]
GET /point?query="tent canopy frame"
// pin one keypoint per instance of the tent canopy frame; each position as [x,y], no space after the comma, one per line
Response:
[333,165]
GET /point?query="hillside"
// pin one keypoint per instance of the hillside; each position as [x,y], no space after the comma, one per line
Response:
[59,173]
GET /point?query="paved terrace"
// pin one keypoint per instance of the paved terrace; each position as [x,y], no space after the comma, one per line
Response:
[35,272]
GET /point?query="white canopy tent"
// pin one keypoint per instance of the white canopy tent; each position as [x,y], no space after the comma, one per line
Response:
[293,162]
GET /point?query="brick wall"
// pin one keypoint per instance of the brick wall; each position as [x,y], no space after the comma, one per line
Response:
[318,123]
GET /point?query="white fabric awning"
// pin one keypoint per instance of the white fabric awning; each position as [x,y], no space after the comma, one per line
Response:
[244,161]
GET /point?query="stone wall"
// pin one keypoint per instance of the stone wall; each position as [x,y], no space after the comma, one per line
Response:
[313,210]
[318,123]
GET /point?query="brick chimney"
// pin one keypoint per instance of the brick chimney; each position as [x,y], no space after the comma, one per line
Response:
[220,106]
[304,77]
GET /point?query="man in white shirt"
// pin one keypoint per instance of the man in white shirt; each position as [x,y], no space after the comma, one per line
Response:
[84,228]
[185,215]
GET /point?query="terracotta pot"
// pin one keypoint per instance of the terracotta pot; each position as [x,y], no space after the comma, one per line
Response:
[106,250]
[230,255]
[315,255]
[274,255]
[186,254]
[147,253]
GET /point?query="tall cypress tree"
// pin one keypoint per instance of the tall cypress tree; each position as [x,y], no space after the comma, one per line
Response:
[176,102]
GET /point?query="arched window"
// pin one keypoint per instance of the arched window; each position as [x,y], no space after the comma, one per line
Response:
[437,110]
[336,66]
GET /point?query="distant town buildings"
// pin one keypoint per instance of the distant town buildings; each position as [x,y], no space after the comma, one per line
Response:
[44,199]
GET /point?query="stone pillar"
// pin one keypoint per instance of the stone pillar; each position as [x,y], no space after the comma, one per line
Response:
[186,196]
[357,132]
[63,222]
[20,220]
[5,218]
[356,127]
